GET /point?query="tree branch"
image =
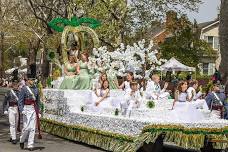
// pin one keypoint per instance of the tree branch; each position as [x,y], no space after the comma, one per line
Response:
[107,43]
[111,11]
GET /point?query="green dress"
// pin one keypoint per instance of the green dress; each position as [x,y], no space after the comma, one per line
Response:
[112,79]
[83,81]
[68,81]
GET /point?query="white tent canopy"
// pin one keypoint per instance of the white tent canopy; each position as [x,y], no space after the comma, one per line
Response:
[175,65]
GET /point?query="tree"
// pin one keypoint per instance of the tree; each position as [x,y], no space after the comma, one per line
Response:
[185,43]
[223,39]
[44,12]
[122,19]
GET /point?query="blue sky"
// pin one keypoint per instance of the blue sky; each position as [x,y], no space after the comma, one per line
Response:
[207,12]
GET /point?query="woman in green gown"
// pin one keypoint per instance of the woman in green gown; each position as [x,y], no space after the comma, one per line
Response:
[83,81]
[112,79]
[70,72]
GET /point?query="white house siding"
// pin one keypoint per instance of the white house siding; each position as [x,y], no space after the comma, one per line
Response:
[211,31]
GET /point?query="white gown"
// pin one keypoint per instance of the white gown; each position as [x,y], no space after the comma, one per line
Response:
[185,112]
[106,103]
[196,101]
[127,87]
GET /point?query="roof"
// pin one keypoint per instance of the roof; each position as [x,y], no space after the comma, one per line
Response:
[156,30]
[175,65]
[206,24]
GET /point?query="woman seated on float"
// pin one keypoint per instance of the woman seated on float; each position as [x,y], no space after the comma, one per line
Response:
[183,110]
[102,78]
[153,89]
[83,81]
[102,99]
[133,99]
[69,71]
[126,84]
[194,97]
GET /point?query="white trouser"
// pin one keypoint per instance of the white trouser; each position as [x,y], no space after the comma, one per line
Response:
[128,106]
[29,125]
[13,121]
[156,96]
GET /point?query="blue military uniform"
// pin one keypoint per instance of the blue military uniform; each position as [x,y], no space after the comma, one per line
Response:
[10,106]
[211,99]
[25,94]
[10,99]
[29,107]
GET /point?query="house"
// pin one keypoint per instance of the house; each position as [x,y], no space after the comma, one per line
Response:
[209,31]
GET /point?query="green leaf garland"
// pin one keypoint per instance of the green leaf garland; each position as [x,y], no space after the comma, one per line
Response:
[58,24]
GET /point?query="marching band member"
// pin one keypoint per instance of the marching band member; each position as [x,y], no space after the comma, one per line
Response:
[10,107]
[132,100]
[153,89]
[29,107]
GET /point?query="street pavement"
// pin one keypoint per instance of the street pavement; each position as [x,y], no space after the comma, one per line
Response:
[49,143]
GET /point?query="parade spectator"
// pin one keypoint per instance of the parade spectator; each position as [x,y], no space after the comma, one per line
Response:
[216,76]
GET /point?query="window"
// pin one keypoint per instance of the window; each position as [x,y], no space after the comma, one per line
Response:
[205,68]
[216,42]
[210,40]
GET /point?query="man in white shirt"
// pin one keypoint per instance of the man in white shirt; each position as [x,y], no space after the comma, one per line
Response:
[153,89]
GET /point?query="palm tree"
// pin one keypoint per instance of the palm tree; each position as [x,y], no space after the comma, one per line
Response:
[223,33]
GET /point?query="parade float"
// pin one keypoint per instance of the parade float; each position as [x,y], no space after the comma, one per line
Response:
[69,114]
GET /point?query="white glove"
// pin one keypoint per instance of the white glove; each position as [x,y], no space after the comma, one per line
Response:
[5,112]
[39,115]
[23,112]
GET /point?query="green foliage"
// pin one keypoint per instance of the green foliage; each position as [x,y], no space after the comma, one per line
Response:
[116,112]
[150,104]
[127,21]
[51,55]
[208,87]
[49,80]
[54,24]
[82,108]
[185,44]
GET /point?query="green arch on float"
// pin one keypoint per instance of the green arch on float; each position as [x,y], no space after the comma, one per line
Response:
[77,30]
